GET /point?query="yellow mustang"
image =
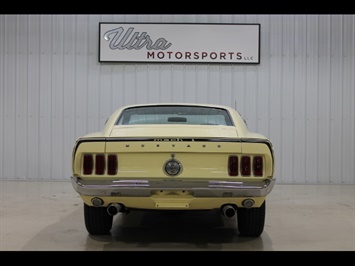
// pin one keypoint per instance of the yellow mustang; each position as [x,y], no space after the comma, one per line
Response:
[174,156]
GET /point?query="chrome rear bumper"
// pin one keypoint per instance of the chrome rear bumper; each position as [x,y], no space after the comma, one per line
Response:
[196,188]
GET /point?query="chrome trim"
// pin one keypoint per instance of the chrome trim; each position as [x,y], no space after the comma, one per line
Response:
[172,167]
[196,188]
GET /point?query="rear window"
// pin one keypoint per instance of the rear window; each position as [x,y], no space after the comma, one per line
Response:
[188,115]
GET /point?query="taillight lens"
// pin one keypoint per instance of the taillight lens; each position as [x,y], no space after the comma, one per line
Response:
[99,167]
[112,164]
[245,165]
[233,165]
[100,164]
[258,166]
[88,164]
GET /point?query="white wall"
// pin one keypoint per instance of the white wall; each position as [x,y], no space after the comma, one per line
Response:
[301,96]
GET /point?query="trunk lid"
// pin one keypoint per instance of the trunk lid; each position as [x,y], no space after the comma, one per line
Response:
[203,151]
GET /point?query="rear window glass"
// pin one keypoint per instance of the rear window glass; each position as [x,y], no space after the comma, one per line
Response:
[188,115]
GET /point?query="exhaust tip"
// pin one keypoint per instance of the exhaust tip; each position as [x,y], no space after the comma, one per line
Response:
[114,208]
[228,211]
[248,203]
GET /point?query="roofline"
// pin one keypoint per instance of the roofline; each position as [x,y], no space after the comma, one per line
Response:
[178,103]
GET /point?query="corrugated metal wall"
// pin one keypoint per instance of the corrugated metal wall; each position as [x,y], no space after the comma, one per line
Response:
[301,96]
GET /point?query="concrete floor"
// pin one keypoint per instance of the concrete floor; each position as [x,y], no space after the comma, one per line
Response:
[48,216]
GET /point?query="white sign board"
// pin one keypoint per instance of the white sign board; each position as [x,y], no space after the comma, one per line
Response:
[179,43]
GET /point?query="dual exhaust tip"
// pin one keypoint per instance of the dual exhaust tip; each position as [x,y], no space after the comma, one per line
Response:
[112,209]
[227,210]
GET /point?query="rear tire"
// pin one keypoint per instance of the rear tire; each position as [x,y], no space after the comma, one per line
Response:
[97,220]
[251,221]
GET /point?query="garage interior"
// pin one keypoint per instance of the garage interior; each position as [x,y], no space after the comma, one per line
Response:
[53,89]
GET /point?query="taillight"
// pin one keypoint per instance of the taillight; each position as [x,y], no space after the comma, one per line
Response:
[233,165]
[100,164]
[112,164]
[258,166]
[245,165]
[88,164]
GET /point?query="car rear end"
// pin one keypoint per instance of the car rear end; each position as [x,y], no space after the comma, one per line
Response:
[174,166]
[173,171]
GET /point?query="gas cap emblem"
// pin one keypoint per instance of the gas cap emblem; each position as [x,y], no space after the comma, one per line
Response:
[172,167]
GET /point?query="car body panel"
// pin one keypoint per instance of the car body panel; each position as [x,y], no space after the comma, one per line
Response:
[202,151]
